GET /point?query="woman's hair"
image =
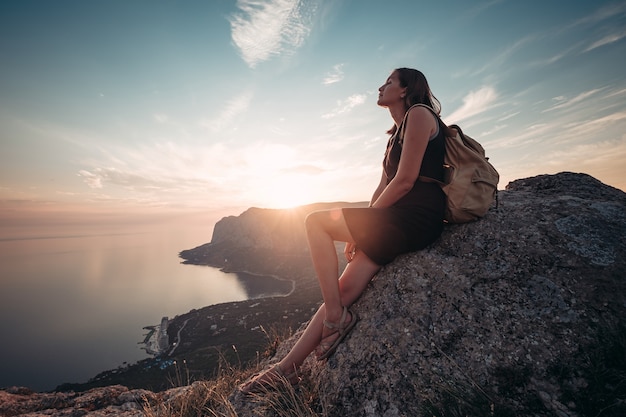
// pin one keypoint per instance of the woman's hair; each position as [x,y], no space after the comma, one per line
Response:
[417,91]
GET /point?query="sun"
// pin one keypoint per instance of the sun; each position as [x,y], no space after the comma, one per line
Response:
[291,191]
[275,179]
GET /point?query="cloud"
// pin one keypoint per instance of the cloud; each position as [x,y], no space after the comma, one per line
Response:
[616,93]
[563,102]
[208,175]
[504,56]
[603,13]
[265,28]
[509,116]
[98,177]
[585,24]
[557,56]
[344,106]
[233,108]
[91,179]
[334,76]
[589,127]
[614,37]
[474,103]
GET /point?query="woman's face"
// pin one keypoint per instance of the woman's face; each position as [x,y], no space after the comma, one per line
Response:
[391,92]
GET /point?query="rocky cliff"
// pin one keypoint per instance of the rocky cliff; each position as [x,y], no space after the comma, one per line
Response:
[266,241]
[521,313]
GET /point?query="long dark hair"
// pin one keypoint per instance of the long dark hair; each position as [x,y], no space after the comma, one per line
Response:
[417,91]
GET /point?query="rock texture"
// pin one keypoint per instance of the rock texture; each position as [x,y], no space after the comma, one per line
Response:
[115,400]
[197,399]
[520,314]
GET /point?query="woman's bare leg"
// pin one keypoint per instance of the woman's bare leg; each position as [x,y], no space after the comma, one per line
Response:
[353,281]
[323,229]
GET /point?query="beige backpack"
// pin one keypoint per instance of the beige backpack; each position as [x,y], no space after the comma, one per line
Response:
[470,181]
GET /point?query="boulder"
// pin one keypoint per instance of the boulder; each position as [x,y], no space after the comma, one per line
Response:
[520,313]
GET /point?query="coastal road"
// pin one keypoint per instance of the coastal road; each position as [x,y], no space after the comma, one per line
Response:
[178,337]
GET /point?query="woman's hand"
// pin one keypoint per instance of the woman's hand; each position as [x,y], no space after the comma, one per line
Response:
[349,251]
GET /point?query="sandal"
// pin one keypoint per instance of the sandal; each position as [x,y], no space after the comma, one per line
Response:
[327,348]
[271,378]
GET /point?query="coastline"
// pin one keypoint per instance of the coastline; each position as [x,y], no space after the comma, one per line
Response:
[157,343]
[234,332]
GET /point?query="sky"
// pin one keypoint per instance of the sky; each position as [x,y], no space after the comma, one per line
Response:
[114,110]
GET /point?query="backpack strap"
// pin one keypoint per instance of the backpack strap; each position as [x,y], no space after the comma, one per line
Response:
[448,170]
[406,116]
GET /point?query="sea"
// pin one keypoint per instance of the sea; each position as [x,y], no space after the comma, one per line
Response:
[74,304]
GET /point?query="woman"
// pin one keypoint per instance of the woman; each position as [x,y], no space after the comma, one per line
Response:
[405,214]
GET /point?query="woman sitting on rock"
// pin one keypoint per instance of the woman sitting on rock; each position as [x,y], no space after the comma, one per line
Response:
[404,215]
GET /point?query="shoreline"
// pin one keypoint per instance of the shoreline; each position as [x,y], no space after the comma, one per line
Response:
[276,277]
[154,338]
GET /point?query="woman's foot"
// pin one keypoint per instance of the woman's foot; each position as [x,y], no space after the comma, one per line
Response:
[337,332]
[268,379]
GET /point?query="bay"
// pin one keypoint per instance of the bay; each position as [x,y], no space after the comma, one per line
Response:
[74,305]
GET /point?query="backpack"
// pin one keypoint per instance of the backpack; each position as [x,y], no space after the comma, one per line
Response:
[470,181]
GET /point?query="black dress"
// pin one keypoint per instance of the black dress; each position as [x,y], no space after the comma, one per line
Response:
[414,221]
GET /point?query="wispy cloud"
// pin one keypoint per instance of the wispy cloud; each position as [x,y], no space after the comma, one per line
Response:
[233,108]
[262,29]
[557,56]
[508,116]
[616,93]
[602,14]
[93,180]
[476,9]
[614,37]
[345,106]
[563,102]
[588,127]
[334,76]
[210,175]
[504,56]
[167,172]
[140,180]
[474,103]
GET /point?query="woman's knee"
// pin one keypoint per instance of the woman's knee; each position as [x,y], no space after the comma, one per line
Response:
[323,219]
[312,220]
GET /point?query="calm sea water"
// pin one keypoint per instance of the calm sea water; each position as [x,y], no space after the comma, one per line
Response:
[73,306]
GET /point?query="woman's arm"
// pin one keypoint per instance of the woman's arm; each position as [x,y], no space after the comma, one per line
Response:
[379,189]
[420,125]
[350,248]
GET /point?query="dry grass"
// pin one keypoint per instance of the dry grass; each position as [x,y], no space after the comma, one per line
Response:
[212,397]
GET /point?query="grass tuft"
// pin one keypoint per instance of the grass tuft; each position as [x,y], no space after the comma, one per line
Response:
[211,397]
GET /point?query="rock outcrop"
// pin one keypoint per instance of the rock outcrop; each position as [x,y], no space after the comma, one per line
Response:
[114,400]
[521,313]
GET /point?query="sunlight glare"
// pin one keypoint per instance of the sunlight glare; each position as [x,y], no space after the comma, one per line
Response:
[290,191]
[272,168]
